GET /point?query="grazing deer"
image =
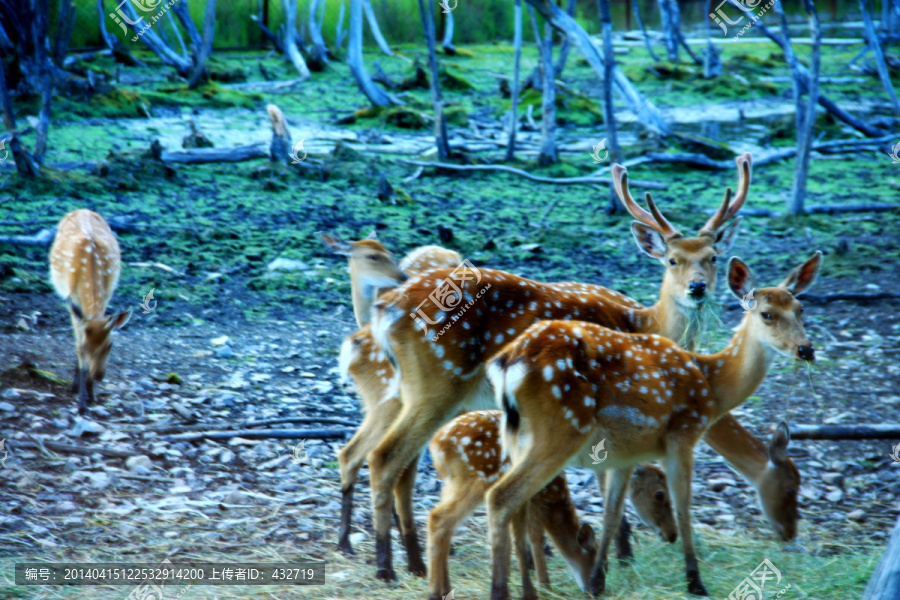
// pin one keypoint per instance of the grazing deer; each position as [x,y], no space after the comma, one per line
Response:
[468,457]
[373,268]
[564,385]
[440,372]
[84,269]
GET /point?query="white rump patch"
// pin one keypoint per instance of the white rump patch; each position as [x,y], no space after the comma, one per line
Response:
[347,357]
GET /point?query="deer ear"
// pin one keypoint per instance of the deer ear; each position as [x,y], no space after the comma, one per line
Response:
[725,238]
[118,321]
[586,537]
[801,278]
[372,236]
[740,277]
[778,446]
[334,243]
[648,240]
[73,308]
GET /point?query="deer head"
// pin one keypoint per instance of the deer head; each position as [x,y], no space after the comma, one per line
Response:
[650,495]
[776,316]
[780,486]
[93,339]
[691,263]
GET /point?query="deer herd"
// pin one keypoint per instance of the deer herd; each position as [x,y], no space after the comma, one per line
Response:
[508,380]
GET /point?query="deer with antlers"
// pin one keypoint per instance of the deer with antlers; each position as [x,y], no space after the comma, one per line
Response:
[84,269]
[440,372]
[373,268]
[565,385]
[468,458]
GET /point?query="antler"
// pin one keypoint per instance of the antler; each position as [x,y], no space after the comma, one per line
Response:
[730,207]
[654,218]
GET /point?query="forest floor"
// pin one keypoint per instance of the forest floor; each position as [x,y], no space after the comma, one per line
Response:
[231,340]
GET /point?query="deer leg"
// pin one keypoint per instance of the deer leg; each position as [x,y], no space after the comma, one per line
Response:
[520,532]
[538,554]
[457,503]
[353,455]
[76,378]
[680,469]
[402,443]
[85,391]
[623,541]
[613,503]
[403,493]
[524,479]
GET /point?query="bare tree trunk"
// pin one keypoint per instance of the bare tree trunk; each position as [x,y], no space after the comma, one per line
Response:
[645,111]
[712,63]
[318,54]
[376,95]
[25,163]
[874,44]
[675,17]
[45,74]
[668,29]
[339,32]
[373,25]
[548,154]
[184,17]
[447,42]
[514,103]
[155,43]
[440,125]
[566,45]
[640,22]
[609,114]
[290,38]
[65,23]
[209,32]
[807,122]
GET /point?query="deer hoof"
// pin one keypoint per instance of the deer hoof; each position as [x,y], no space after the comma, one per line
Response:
[386,575]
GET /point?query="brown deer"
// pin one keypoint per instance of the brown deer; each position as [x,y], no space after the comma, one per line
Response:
[373,268]
[468,457]
[84,269]
[441,368]
[565,385]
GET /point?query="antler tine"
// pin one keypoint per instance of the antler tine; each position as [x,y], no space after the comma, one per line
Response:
[656,220]
[730,207]
[664,226]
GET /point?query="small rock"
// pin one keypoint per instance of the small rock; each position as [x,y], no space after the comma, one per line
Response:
[134,462]
[857,515]
[6,406]
[99,481]
[235,497]
[357,537]
[835,496]
[287,264]
[226,456]
[65,507]
[835,479]
[720,483]
[224,352]
[219,341]
[83,427]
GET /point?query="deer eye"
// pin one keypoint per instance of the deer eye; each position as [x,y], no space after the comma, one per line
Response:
[673,262]
[660,495]
[766,316]
[714,259]
[372,257]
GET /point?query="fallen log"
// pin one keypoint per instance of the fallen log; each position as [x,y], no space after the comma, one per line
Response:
[213,155]
[262,434]
[890,431]
[825,298]
[653,185]
[44,237]
[826,209]
[164,429]
[70,448]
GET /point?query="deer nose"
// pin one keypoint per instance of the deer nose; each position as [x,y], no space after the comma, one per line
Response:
[697,288]
[403,277]
[807,352]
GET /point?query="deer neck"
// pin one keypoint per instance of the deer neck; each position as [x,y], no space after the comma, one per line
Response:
[672,321]
[738,370]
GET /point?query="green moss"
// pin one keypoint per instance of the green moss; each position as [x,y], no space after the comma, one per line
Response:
[210,95]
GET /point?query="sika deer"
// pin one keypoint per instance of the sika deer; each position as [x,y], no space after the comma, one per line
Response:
[566,385]
[441,368]
[372,266]
[84,269]
[468,457]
